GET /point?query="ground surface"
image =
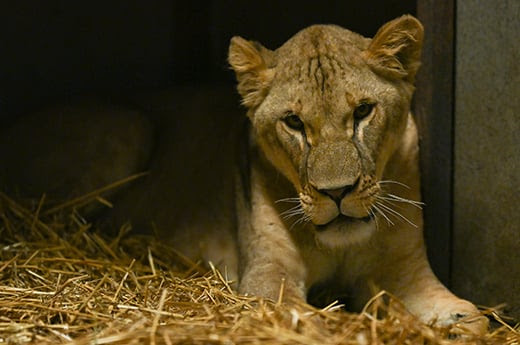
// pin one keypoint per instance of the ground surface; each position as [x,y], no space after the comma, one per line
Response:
[63,283]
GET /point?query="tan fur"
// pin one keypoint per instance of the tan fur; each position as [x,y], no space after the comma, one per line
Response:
[322,204]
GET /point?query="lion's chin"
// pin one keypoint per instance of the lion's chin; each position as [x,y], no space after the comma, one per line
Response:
[344,231]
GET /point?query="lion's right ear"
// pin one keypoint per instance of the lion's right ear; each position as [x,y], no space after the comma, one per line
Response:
[250,61]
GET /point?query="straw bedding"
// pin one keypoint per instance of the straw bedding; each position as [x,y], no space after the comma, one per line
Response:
[62,282]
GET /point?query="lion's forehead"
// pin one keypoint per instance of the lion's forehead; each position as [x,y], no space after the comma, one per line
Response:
[320,69]
[331,80]
[322,49]
[327,79]
[325,85]
[323,39]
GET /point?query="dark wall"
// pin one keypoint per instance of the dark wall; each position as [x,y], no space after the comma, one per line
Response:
[433,111]
[486,232]
[52,49]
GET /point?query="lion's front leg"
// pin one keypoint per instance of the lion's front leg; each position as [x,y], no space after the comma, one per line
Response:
[272,280]
[269,258]
[426,297]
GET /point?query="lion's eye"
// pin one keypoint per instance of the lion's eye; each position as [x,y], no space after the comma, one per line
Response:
[363,110]
[294,122]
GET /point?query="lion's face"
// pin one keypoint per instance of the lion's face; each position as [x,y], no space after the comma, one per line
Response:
[328,117]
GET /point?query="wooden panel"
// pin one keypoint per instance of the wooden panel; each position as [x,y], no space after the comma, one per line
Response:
[434,112]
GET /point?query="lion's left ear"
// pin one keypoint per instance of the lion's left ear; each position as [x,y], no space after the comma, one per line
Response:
[395,50]
[251,61]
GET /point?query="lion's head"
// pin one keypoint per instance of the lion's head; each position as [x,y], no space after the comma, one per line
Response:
[328,109]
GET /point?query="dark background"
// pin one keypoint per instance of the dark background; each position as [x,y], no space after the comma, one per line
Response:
[52,49]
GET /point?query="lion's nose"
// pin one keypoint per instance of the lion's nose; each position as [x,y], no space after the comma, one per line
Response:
[337,194]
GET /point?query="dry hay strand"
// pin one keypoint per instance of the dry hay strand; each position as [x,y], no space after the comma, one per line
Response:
[61,282]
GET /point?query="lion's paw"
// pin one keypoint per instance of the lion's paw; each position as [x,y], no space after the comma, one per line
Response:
[461,318]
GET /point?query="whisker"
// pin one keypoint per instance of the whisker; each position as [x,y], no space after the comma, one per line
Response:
[371,215]
[389,201]
[394,197]
[394,182]
[304,219]
[383,214]
[293,211]
[395,213]
[292,200]
[394,202]
[290,214]
[294,208]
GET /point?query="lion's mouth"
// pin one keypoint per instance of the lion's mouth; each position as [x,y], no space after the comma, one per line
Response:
[343,220]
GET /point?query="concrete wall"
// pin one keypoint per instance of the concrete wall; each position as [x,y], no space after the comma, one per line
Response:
[486,252]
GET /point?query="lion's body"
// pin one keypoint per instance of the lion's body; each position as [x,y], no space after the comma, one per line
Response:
[326,192]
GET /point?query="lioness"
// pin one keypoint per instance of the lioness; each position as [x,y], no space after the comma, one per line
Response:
[326,193]
[330,111]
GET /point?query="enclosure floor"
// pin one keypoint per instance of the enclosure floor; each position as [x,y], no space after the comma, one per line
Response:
[62,282]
